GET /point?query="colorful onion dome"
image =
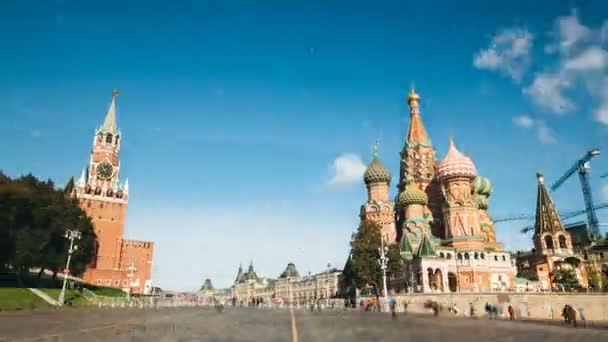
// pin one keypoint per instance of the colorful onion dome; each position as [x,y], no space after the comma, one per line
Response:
[412,195]
[377,173]
[455,164]
[482,186]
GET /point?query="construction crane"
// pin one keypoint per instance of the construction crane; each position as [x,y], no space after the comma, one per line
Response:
[565,216]
[582,166]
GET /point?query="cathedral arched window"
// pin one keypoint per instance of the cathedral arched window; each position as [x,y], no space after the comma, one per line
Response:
[476,256]
[496,258]
[483,256]
[549,241]
[116,140]
[504,258]
[109,138]
[466,256]
[459,256]
[449,255]
[109,192]
[562,241]
[87,190]
[119,194]
[441,255]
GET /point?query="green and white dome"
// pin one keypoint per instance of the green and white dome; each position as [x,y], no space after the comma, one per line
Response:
[482,186]
[377,173]
[412,195]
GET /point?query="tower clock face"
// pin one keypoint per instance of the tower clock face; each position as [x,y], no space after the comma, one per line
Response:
[105,170]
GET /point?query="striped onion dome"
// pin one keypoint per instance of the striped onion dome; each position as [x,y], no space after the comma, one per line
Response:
[377,173]
[412,195]
[482,186]
[455,164]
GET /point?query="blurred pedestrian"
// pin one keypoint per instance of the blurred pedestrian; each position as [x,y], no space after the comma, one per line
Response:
[565,314]
[511,312]
[393,308]
[581,313]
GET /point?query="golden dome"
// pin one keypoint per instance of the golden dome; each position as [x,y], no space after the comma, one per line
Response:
[413,96]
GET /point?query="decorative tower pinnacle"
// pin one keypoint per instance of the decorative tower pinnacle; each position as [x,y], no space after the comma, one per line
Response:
[109,123]
[549,233]
[417,133]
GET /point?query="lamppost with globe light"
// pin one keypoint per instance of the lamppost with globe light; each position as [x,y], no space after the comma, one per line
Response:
[70,234]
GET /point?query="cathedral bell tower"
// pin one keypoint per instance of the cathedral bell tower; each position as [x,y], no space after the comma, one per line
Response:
[418,166]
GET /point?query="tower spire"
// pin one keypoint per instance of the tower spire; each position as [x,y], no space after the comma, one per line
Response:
[109,123]
[416,134]
[547,217]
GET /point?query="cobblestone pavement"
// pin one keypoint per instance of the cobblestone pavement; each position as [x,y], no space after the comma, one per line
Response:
[205,324]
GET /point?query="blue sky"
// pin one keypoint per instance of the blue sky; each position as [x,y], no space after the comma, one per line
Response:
[244,122]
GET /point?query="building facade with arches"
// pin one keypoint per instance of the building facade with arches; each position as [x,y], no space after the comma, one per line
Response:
[439,217]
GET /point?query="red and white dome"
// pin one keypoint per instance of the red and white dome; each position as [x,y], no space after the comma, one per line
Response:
[455,164]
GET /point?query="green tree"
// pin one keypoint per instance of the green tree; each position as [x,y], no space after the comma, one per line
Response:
[364,255]
[34,216]
[566,278]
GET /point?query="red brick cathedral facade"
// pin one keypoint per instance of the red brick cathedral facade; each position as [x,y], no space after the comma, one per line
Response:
[118,262]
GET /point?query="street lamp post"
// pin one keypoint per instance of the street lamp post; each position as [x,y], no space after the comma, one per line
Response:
[70,234]
[383,260]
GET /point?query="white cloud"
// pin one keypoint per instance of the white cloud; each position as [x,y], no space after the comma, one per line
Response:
[601,114]
[545,134]
[583,59]
[523,121]
[591,59]
[347,169]
[547,91]
[508,53]
[571,32]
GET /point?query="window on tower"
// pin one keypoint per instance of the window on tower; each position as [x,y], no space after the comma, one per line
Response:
[109,138]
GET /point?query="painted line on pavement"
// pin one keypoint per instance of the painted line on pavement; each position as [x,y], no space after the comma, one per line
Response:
[294,328]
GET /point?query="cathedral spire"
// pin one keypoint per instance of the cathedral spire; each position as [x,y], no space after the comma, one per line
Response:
[109,123]
[547,217]
[416,134]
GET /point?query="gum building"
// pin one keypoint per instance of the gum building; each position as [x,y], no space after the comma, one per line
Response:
[118,263]
[439,217]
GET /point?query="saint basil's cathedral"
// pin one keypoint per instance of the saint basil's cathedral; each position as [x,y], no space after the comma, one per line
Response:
[439,217]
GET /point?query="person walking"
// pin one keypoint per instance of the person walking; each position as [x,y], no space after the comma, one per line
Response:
[572,315]
[565,314]
[393,308]
[511,312]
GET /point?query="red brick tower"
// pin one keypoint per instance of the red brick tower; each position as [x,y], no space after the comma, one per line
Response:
[101,195]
